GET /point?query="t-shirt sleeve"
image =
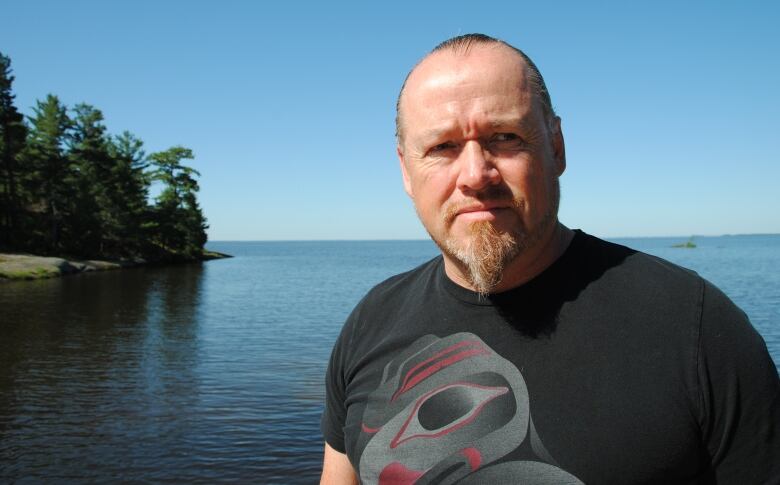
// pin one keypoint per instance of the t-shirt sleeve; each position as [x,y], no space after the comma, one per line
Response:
[739,395]
[334,415]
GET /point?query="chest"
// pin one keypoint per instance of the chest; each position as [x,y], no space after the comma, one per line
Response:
[470,405]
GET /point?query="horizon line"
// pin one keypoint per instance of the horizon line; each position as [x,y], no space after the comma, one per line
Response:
[688,236]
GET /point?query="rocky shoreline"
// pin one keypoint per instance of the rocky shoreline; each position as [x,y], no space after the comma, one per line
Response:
[19,266]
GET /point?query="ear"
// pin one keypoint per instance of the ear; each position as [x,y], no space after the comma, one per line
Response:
[558,146]
[404,173]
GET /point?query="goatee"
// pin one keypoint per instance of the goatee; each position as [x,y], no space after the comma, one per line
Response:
[485,255]
[487,251]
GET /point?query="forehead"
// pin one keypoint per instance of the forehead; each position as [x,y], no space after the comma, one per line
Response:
[486,81]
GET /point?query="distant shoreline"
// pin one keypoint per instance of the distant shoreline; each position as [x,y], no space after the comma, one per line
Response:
[23,266]
[608,238]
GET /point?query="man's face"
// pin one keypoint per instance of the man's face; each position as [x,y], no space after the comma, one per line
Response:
[478,157]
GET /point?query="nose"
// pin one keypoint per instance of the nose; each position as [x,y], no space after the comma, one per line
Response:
[477,170]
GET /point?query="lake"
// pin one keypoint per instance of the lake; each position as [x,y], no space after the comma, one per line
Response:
[213,372]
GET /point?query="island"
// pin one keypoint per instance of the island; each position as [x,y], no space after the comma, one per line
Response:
[68,187]
[689,244]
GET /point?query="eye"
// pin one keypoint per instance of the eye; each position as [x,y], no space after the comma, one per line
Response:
[442,148]
[446,410]
[506,141]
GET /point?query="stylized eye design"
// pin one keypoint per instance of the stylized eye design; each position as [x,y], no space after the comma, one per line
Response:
[446,409]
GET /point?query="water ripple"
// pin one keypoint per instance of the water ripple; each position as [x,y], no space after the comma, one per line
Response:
[214,373]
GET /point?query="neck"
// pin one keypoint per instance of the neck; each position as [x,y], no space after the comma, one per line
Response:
[526,266]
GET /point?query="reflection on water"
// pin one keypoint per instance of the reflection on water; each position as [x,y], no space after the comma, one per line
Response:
[98,372]
[214,372]
[198,373]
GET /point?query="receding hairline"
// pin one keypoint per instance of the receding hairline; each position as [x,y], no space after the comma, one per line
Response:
[462,45]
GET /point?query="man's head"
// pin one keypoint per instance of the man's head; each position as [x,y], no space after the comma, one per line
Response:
[481,151]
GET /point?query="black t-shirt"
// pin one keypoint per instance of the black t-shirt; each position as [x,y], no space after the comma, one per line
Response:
[611,366]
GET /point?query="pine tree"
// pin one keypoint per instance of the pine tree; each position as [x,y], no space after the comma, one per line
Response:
[13,132]
[49,175]
[68,187]
[181,227]
[129,192]
[95,224]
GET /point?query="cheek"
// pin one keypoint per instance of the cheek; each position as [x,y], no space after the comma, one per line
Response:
[527,175]
[540,195]
[521,178]
[433,189]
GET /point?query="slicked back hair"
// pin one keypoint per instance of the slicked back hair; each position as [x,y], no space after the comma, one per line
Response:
[462,44]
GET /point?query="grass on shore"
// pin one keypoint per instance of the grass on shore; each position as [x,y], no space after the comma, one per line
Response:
[27,274]
[29,267]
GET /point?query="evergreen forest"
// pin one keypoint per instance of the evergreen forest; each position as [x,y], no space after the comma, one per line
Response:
[68,187]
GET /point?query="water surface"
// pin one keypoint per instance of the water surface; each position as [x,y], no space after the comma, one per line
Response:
[213,372]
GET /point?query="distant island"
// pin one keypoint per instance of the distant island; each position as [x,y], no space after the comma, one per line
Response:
[68,187]
[689,244]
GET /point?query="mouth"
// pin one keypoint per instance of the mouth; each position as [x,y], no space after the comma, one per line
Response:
[480,213]
[483,211]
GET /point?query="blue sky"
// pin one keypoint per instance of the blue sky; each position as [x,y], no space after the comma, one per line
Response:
[671,110]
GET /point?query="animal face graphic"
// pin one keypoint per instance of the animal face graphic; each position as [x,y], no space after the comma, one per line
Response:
[446,408]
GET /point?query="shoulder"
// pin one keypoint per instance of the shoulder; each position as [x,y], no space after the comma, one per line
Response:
[663,296]
[657,299]
[397,292]
[402,286]
[628,269]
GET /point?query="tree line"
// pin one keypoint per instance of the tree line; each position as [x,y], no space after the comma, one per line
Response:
[68,187]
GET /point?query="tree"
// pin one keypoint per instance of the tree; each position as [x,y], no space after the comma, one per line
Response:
[13,132]
[129,192]
[67,186]
[181,227]
[94,222]
[50,175]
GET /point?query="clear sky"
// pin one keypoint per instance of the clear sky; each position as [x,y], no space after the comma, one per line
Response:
[671,110]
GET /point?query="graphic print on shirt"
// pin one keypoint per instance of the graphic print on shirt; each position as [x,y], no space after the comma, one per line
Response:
[447,410]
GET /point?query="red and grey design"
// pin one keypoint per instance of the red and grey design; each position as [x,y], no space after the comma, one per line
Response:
[448,410]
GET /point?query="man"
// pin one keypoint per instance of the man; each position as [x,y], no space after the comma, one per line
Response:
[528,352]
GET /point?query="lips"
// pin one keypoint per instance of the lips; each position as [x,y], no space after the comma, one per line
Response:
[480,208]
[482,205]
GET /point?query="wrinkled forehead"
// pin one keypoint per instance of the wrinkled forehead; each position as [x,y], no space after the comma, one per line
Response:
[492,68]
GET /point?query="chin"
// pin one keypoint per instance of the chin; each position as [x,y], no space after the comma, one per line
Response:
[483,254]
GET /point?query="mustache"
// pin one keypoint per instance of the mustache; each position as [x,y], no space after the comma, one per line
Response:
[494,193]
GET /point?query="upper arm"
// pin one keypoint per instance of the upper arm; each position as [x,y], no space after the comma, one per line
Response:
[739,395]
[336,469]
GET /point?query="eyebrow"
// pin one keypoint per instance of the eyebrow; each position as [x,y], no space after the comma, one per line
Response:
[509,121]
[513,121]
[435,133]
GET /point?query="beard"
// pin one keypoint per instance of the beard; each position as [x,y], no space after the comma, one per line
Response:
[487,250]
[484,255]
